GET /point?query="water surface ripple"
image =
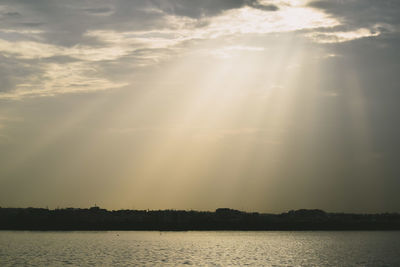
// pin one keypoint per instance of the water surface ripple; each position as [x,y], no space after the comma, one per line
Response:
[223,248]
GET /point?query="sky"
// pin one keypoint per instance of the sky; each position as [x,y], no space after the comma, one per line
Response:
[254,105]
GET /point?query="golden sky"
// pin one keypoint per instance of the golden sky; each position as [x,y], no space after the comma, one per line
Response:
[172,104]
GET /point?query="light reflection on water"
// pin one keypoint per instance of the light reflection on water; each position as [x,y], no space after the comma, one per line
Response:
[222,248]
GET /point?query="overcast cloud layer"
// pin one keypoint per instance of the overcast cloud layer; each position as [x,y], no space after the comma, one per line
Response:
[302,95]
[51,47]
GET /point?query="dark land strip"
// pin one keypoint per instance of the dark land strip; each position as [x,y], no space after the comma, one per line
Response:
[96,218]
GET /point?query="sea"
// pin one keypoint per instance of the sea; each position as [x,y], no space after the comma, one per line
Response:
[200,248]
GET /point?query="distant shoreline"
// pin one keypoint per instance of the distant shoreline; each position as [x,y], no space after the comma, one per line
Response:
[223,219]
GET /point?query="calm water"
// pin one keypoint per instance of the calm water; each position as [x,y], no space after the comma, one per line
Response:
[199,248]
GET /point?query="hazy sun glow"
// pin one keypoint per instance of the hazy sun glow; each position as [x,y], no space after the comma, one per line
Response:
[188,105]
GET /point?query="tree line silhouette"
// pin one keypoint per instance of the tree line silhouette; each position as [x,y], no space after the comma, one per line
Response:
[96,218]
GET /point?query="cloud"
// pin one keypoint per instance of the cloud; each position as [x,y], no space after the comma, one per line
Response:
[99,10]
[122,36]
[59,79]
[358,19]
[12,14]
[207,8]
[265,7]
[14,71]
[358,14]
[342,36]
